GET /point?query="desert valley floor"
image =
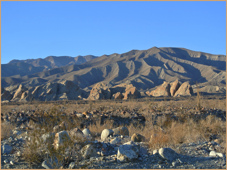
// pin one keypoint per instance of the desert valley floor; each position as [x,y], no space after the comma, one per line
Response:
[147,133]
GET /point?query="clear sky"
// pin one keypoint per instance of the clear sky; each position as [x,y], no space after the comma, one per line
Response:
[40,29]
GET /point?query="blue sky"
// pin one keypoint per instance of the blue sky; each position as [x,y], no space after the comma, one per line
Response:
[38,29]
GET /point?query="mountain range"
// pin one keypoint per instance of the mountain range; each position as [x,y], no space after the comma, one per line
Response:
[144,69]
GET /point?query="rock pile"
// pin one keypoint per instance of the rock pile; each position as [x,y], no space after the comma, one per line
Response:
[65,90]
[102,91]
[172,89]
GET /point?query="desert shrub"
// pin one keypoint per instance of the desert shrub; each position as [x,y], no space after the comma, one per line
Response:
[32,149]
[178,132]
[35,150]
[159,139]
[6,130]
[97,128]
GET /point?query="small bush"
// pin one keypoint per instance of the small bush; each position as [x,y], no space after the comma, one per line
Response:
[6,130]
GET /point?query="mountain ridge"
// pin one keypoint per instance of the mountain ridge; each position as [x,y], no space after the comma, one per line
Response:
[145,69]
[31,66]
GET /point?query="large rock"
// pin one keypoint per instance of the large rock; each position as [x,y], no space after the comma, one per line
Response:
[6,149]
[61,138]
[174,87]
[106,133]
[88,151]
[87,132]
[52,163]
[115,141]
[184,90]
[121,131]
[163,90]
[100,91]
[131,92]
[168,153]
[65,90]
[128,152]
[76,133]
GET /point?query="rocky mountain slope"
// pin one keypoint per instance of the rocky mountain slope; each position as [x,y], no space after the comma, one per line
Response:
[31,66]
[142,69]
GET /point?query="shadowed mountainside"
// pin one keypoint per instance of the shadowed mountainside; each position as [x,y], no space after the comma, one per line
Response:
[31,66]
[144,69]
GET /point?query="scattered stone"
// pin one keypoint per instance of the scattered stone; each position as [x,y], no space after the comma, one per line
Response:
[220,155]
[216,154]
[128,152]
[72,165]
[155,151]
[86,132]
[168,153]
[61,138]
[80,115]
[88,151]
[51,163]
[212,154]
[6,161]
[18,153]
[76,134]
[106,133]
[115,141]
[46,165]
[16,132]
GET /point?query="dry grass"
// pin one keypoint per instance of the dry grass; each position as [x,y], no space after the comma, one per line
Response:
[97,128]
[167,132]
[6,130]
[188,131]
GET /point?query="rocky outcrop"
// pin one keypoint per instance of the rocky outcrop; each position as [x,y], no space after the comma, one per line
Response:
[163,90]
[66,90]
[131,92]
[100,91]
[184,90]
[172,89]
[18,94]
